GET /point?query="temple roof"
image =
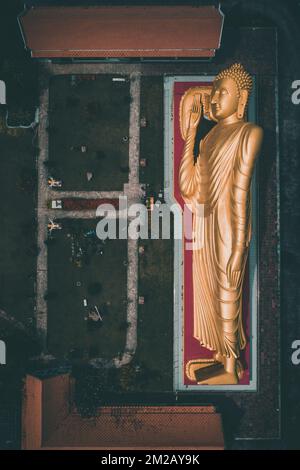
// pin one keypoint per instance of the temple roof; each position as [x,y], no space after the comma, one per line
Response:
[122,32]
[50,421]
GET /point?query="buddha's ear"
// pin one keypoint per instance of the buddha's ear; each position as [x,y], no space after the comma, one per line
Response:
[242,103]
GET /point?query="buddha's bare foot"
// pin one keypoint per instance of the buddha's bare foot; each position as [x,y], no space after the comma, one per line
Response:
[221,377]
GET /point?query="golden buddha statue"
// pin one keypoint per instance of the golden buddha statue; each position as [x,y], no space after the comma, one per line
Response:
[220,180]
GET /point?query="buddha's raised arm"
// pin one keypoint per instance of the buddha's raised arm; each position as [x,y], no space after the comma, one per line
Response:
[187,170]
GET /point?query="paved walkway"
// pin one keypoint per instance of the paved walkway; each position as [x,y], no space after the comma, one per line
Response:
[132,190]
[42,220]
[58,194]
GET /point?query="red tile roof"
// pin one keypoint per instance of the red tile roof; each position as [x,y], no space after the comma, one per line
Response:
[141,427]
[149,31]
[49,422]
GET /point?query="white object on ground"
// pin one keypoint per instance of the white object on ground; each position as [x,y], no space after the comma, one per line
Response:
[2,92]
[56,204]
[98,313]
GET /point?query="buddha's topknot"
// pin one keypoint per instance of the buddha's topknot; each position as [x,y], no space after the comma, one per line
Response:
[241,77]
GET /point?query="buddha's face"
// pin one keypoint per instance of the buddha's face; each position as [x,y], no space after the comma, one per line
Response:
[224,98]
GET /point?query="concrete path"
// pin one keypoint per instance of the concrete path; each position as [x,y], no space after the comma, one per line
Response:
[132,190]
[42,220]
[59,194]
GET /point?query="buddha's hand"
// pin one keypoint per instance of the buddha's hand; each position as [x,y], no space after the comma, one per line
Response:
[234,267]
[196,112]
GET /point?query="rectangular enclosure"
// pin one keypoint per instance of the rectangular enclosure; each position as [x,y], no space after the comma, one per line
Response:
[186,347]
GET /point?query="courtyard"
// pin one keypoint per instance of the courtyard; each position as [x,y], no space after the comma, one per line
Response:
[89,131]
[150,365]
[78,274]
[85,273]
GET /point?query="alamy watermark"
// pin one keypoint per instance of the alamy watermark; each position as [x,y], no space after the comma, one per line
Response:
[139,221]
[2,353]
[296,354]
[296,94]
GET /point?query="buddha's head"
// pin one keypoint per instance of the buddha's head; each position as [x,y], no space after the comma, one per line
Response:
[230,93]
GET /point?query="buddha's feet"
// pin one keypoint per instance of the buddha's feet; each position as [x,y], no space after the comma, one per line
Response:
[210,372]
[239,369]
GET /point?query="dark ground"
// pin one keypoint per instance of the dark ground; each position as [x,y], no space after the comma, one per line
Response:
[18,233]
[155,317]
[17,273]
[94,113]
[151,146]
[69,334]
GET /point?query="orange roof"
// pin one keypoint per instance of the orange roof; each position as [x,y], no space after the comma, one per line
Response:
[141,428]
[49,422]
[144,31]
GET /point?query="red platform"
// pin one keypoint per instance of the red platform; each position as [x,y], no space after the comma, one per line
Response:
[192,348]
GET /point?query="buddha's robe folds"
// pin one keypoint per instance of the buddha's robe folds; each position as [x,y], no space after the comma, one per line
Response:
[220,180]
